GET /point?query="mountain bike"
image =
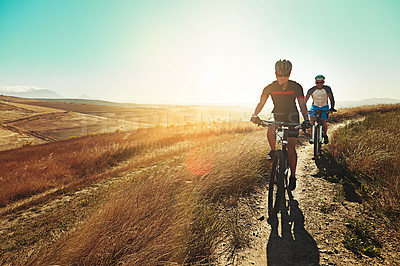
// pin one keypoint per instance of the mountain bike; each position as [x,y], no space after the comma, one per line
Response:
[278,181]
[316,132]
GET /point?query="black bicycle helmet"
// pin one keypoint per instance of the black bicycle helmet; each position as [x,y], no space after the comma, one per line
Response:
[283,66]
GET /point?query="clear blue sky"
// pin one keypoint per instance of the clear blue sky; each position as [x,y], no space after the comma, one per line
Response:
[208,51]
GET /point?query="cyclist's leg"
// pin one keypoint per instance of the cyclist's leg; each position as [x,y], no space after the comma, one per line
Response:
[292,155]
[271,136]
[292,158]
[324,127]
[312,117]
[324,131]
[293,135]
[324,120]
[312,120]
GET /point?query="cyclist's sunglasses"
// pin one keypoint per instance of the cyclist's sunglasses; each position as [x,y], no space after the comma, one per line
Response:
[282,75]
[319,82]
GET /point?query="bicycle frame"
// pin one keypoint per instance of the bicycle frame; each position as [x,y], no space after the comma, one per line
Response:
[316,132]
[280,168]
[281,139]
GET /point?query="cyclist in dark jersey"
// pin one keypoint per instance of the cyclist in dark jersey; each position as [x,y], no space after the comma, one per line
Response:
[284,93]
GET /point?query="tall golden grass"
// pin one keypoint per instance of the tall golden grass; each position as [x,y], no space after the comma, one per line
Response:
[370,150]
[344,114]
[167,214]
[70,163]
[143,225]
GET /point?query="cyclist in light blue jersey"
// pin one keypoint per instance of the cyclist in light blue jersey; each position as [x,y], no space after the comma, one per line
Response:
[320,94]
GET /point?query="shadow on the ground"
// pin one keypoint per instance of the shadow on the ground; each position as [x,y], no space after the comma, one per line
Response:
[295,246]
[330,170]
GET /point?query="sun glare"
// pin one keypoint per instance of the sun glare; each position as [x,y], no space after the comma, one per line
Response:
[212,71]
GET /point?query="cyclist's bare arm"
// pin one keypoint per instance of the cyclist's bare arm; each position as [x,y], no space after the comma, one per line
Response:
[303,107]
[307,97]
[332,100]
[260,105]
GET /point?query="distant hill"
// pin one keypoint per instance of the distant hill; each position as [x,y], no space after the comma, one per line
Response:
[87,101]
[371,101]
[28,92]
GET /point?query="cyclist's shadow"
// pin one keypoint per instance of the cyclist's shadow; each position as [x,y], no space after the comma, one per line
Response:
[297,248]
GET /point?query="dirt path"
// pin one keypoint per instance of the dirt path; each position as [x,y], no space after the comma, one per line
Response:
[311,231]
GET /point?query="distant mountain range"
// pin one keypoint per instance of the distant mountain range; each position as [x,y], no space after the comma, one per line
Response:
[28,92]
[35,93]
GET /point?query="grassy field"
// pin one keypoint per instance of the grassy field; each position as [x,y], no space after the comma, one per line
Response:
[170,210]
[77,161]
[143,115]
[26,120]
[175,187]
[344,114]
[369,149]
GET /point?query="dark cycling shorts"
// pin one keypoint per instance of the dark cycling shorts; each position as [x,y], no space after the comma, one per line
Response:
[294,118]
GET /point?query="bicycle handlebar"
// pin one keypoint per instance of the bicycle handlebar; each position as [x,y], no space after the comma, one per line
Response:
[265,123]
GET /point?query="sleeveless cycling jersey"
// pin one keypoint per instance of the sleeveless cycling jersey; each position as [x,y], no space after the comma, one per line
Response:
[284,99]
[320,96]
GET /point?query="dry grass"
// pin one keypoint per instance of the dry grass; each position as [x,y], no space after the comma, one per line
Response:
[142,225]
[165,214]
[344,114]
[370,150]
[70,163]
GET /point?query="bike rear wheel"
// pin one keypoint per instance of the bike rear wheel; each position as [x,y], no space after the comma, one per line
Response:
[276,183]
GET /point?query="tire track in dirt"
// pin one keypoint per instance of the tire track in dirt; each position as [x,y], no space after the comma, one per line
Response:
[32,133]
[32,118]
[7,126]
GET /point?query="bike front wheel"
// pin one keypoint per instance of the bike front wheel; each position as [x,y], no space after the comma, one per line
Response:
[317,141]
[276,183]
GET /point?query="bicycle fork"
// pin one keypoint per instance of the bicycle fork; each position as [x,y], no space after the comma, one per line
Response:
[319,133]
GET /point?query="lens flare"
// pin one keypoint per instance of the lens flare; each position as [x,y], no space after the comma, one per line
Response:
[199,163]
